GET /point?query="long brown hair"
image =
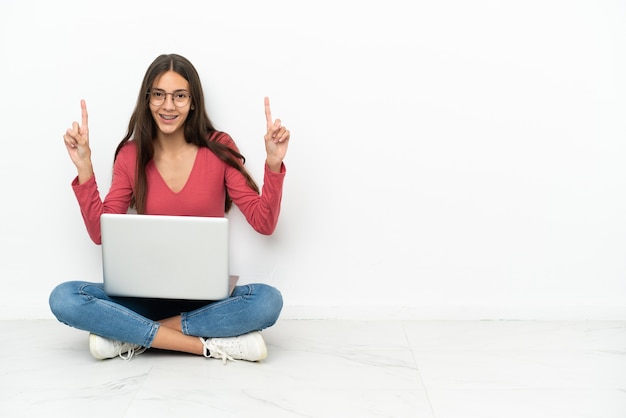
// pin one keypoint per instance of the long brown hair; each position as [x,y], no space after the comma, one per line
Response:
[198,128]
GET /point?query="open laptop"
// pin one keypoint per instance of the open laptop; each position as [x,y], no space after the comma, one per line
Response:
[169,257]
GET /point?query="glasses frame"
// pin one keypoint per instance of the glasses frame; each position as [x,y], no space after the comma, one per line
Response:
[165,93]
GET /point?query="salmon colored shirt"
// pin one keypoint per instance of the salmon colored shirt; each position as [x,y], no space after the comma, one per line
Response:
[204,193]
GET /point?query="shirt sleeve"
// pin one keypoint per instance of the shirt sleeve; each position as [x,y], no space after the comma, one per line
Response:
[117,200]
[261,211]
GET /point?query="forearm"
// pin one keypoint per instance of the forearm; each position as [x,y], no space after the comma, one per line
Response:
[274,165]
[85,173]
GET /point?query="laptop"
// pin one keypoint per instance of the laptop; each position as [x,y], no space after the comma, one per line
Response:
[168,257]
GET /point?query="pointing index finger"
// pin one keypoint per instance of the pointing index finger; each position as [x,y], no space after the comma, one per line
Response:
[84,116]
[268,113]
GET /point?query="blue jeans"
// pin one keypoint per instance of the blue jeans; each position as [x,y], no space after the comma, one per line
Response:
[85,306]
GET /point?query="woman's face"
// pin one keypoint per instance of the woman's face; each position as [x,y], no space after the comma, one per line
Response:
[170,102]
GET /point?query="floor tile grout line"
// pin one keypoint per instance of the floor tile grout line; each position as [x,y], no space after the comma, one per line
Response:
[419,374]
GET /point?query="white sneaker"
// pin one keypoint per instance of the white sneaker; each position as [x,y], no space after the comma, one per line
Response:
[250,347]
[104,348]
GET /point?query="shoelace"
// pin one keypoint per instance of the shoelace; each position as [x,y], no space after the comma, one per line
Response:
[211,349]
[128,351]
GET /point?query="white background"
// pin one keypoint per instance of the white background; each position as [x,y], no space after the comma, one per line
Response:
[449,159]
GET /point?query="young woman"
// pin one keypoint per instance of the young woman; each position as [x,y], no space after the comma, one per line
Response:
[172,161]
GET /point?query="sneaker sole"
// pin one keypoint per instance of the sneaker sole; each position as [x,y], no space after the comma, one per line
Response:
[261,343]
[93,342]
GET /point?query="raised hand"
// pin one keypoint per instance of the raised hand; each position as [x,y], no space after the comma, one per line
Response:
[77,143]
[276,139]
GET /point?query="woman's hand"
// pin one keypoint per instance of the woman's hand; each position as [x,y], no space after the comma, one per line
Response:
[77,143]
[276,140]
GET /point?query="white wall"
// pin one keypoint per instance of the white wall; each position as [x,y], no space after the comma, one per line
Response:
[449,159]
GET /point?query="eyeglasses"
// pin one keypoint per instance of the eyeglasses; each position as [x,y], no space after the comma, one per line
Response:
[180,97]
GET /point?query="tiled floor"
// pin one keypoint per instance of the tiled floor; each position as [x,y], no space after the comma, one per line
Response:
[440,369]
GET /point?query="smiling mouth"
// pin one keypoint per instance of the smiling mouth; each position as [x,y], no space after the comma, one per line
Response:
[169,117]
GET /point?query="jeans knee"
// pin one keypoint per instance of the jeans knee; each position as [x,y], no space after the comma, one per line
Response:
[272,303]
[60,299]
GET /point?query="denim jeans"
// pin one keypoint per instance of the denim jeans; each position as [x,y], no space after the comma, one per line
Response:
[85,306]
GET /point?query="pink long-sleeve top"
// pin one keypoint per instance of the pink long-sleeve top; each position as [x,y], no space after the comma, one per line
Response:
[204,193]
